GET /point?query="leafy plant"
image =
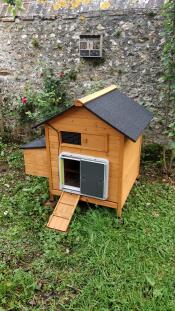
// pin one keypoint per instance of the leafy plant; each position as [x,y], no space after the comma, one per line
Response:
[118,33]
[35,42]
[15,159]
[26,108]
[44,103]
[169,148]
[168,83]
[14,6]
[152,153]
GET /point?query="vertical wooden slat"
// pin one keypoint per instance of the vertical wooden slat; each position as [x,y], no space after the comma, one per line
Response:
[131,166]
[120,176]
[49,160]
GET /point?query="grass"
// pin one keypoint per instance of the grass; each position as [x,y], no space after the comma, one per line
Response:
[100,264]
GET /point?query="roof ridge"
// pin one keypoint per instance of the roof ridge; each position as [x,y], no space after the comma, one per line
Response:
[88,98]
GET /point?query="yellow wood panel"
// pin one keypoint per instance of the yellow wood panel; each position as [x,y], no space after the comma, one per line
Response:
[94,142]
[54,152]
[112,154]
[36,162]
[80,120]
[90,142]
[48,159]
[99,202]
[39,154]
[55,181]
[36,170]
[131,163]
[54,144]
[131,152]
[82,127]
[129,180]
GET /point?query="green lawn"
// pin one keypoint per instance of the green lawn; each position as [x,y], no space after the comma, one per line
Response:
[100,264]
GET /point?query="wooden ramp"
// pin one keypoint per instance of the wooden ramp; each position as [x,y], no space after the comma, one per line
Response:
[63,212]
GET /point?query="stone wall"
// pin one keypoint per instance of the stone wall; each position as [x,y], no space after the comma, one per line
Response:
[131,53]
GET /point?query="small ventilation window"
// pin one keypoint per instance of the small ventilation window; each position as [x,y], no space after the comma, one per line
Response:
[71,138]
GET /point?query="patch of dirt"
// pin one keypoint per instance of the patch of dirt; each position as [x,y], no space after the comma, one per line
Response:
[3,167]
[154,173]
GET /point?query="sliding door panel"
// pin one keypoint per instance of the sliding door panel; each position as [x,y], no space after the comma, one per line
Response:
[92,178]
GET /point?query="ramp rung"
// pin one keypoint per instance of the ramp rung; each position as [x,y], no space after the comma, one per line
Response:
[63,212]
[58,223]
[69,198]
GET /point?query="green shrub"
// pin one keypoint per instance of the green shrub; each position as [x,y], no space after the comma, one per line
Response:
[52,98]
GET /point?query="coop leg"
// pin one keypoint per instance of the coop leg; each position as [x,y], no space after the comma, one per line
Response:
[51,199]
[119,212]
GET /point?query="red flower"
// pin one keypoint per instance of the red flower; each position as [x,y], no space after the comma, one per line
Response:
[61,74]
[24,100]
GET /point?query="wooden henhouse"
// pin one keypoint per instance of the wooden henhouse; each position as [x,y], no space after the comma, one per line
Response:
[90,152]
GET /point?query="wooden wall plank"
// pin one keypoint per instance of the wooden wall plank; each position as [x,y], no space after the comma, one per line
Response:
[54,152]
[79,119]
[131,165]
[36,162]
[48,159]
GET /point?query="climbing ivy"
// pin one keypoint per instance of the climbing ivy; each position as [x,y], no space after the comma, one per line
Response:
[168,83]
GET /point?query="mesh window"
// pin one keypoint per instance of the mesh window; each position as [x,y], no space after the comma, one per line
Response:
[83,45]
[84,53]
[95,53]
[71,138]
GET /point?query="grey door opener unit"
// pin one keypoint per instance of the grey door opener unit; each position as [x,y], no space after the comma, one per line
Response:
[91,172]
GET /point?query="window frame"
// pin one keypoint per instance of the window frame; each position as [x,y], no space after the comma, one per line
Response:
[71,143]
[91,51]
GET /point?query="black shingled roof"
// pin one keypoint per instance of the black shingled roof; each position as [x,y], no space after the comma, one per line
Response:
[37,143]
[119,111]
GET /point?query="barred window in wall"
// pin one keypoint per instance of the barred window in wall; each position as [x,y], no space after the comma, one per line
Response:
[91,45]
[71,138]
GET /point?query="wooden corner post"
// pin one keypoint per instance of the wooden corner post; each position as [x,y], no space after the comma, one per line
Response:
[49,162]
[120,188]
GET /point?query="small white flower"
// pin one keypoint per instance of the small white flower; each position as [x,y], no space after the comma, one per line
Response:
[6,213]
